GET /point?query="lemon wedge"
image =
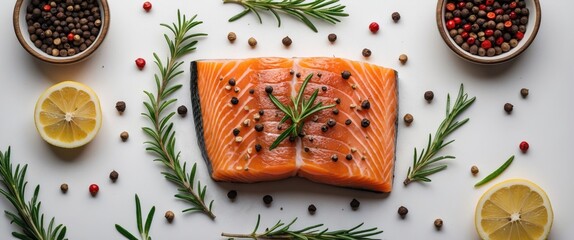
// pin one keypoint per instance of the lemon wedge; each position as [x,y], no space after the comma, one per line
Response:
[515,209]
[68,114]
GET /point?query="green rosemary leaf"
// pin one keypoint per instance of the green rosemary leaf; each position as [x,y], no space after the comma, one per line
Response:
[162,129]
[125,233]
[422,164]
[142,229]
[495,174]
[139,214]
[325,10]
[149,219]
[282,137]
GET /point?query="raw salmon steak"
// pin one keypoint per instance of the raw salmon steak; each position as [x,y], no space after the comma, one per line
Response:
[351,144]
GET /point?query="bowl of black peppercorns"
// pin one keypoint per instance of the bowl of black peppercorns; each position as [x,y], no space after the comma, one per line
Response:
[488,31]
[61,31]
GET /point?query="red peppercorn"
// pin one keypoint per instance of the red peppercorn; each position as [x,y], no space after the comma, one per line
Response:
[374,27]
[508,24]
[464,35]
[499,11]
[94,188]
[491,15]
[482,7]
[450,6]
[47,7]
[70,37]
[512,5]
[147,6]
[450,24]
[488,32]
[140,62]
[457,20]
[461,5]
[486,44]
[467,27]
[512,15]
[519,35]
[470,41]
[524,146]
[499,41]
[489,2]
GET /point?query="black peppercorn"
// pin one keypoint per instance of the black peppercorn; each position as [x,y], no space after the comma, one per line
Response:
[349,157]
[114,176]
[235,132]
[438,223]
[365,122]
[396,16]
[231,82]
[336,111]
[121,106]
[261,112]
[331,122]
[346,74]
[508,107]
[267,199]
[403,211]
[64,188]
[348,122]
[251,91]
[259,127]
[355,204]
[312,209]
[334,157]
[268,89]
[324,88]
[332,37]
[287,41]
[298,75]
[365,104]
[366,52]
[182,110]
[337,100]
[232,194]
[234,100]
[429,96]
[306,149]
[324,128]
[524,92]
[258,147]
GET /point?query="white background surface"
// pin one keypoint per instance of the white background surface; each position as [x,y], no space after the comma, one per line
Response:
[544,119]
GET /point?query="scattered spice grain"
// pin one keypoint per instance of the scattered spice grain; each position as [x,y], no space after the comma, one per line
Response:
[474,170]
[438,223]
[508,107]
[287,41]
[121,106]
[524,92]
[408,118]
[114,176]
[169,216]
[403,211]
[64,188]
[355,204]
[231,36]
[182,110]
[124,136]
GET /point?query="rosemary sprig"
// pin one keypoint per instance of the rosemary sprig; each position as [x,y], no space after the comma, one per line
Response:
[297,113]
[28,215]
[283,231]
[423,164]
[327,10]
[162,132]
[142,229]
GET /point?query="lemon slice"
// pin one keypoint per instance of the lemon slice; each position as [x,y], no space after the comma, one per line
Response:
[515,209]
[68,115]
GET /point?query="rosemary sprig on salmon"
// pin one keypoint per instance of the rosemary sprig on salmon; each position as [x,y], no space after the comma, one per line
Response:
[297,113]
[326,10]
[162,132]
[283,231]
[424,164]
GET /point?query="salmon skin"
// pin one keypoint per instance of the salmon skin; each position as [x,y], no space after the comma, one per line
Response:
[350,145]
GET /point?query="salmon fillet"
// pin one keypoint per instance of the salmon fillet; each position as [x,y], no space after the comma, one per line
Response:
[349,145]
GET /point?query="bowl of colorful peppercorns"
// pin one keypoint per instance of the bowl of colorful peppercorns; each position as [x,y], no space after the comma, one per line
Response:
[61,31]
[488,31]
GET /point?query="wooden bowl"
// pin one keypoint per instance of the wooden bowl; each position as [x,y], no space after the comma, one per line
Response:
[21,27]
[531,31]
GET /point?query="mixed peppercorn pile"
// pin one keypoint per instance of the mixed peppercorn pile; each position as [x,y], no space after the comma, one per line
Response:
[486,27]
